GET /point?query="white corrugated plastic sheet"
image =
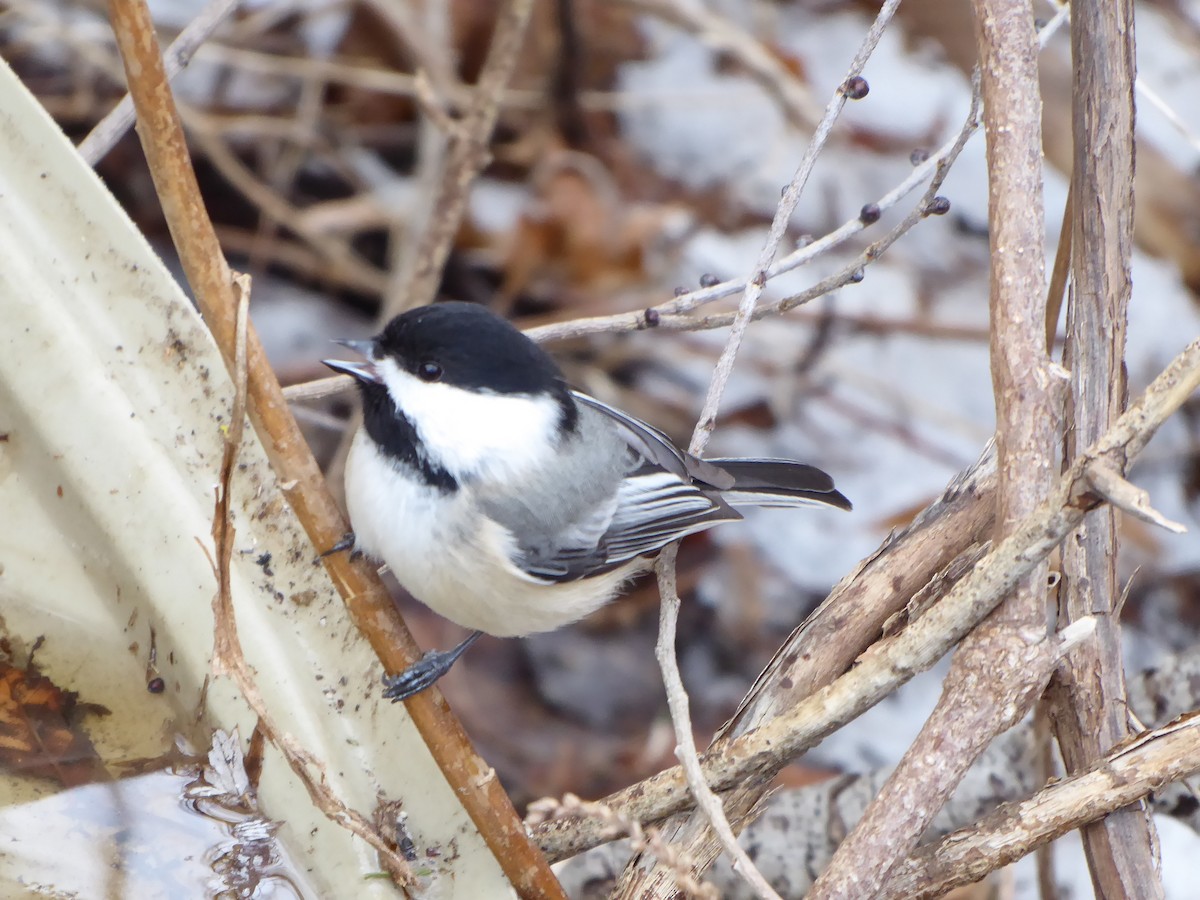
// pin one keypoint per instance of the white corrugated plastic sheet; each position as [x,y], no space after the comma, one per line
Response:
[113,399]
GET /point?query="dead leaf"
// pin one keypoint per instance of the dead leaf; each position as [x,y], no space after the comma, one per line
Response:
[40,732]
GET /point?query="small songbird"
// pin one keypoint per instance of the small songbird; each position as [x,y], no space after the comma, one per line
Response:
[509,503]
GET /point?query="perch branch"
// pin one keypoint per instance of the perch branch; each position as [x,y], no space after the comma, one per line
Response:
[367,601]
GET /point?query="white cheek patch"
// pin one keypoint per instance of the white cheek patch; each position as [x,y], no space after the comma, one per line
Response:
[467,432]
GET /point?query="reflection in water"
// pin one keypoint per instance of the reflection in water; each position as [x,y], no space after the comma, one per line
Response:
[172,833]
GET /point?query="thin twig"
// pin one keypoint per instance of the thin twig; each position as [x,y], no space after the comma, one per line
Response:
[672,315]
[722,35]
[429,53]
[228,658]
[779,224]
[104,136]
[1155,99]
[681,865]
[468,153]
[677,697]
[917,561]
[685,748]
[457,95]
[339,254]
[411,229]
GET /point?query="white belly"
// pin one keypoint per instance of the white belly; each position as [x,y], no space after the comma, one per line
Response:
[453,559]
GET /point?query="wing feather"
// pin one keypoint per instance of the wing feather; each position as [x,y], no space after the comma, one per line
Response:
[654,446]
[653,509]
[669,495]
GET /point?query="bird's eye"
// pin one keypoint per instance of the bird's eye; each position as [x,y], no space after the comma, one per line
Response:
[429,371]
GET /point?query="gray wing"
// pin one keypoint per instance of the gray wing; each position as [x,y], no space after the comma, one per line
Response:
[653,508]
[654,446]
[660,496]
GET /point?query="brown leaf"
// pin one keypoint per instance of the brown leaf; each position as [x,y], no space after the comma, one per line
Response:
[578,234]
[39,729]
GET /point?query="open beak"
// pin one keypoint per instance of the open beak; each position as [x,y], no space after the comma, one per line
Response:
[365,372]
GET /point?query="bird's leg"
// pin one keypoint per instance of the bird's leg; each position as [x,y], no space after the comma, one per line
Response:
[425,671]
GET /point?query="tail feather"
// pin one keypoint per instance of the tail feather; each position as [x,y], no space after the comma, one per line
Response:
[778,482]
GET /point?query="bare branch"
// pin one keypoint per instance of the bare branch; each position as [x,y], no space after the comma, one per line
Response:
[1087,699]
[1124,777]
[104,136]
[1003,666]
[1112,486]
[800,828]
[896,659]
[672,315]
[468,153]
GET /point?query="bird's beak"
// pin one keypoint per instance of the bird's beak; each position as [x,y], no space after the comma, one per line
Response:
[365,372]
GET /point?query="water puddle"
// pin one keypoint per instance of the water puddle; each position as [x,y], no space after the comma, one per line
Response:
[86,814]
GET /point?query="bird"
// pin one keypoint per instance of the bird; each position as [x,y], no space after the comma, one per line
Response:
[508,502]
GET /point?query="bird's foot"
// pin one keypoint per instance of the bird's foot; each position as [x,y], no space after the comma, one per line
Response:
[346,543]
[425,671]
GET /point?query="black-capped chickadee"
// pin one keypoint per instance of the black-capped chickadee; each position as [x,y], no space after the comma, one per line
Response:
[509,503]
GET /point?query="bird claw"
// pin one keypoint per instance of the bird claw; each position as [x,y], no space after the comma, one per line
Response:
[346,543]
[417,677]
[424,672]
